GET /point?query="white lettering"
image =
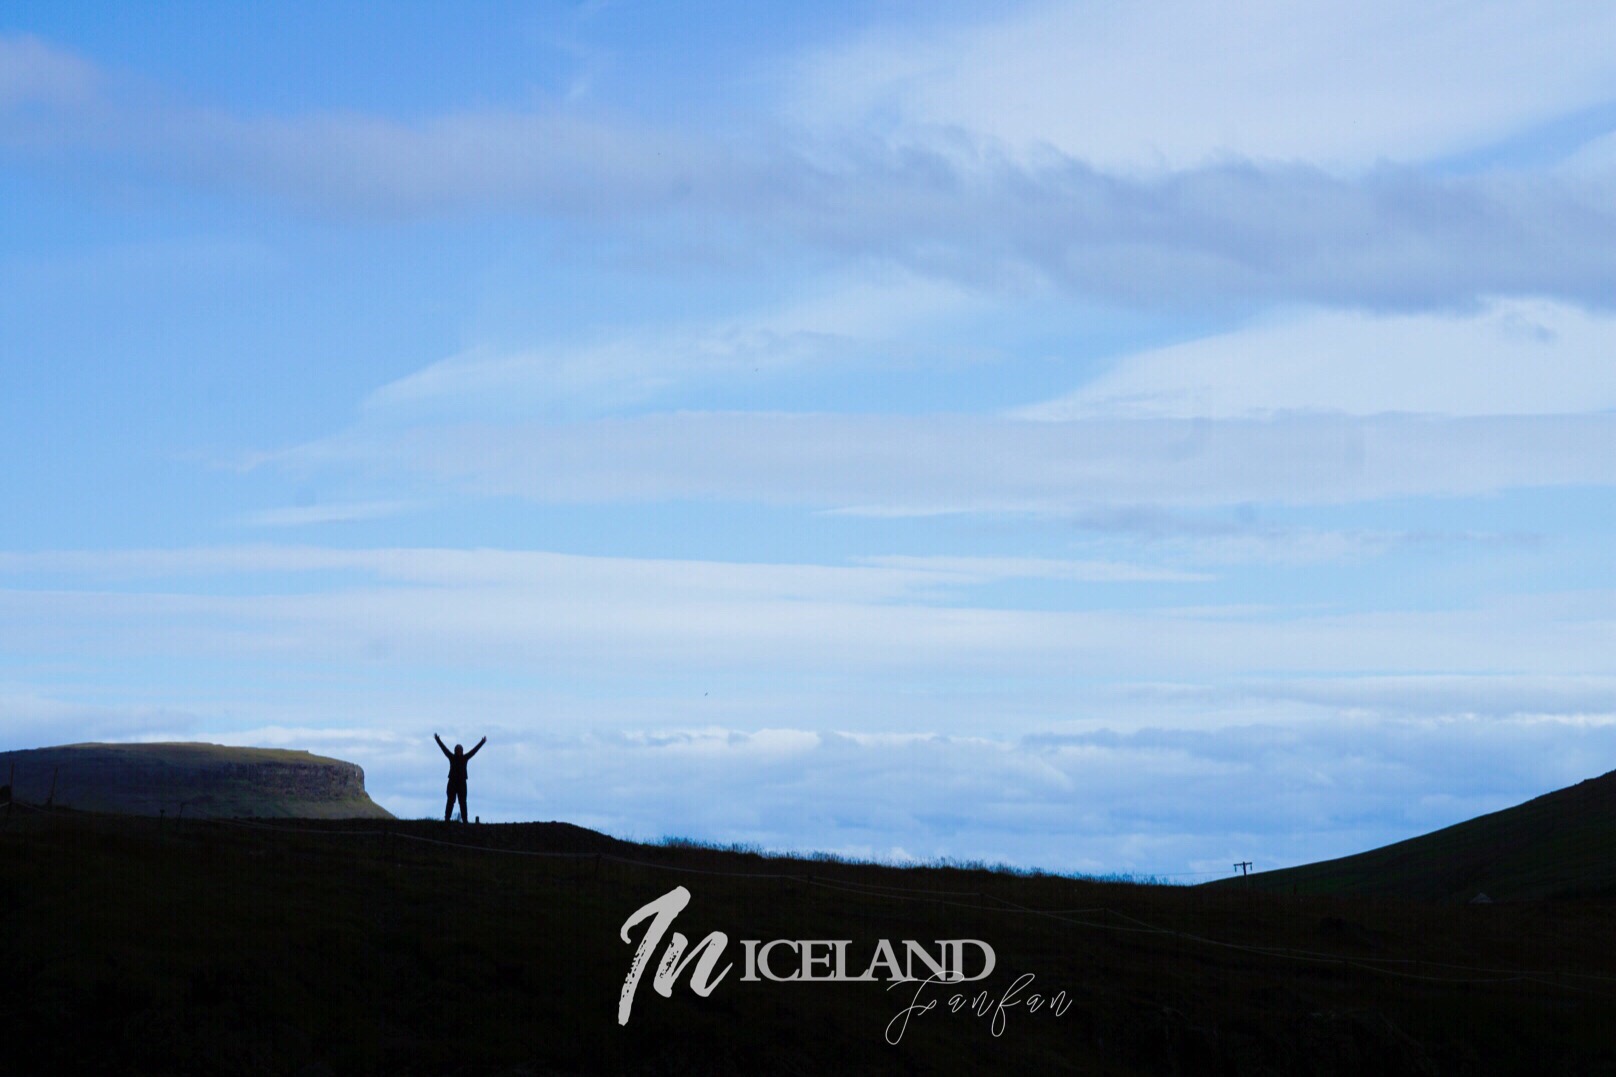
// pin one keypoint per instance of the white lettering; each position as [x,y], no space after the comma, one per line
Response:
[662,912]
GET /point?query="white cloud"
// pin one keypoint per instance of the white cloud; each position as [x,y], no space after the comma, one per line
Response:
[952,205]
[876,578]
[1303,546]
[650,623]
[303,515]
[1154,800]
[1520,697]
[32,719]
[855,317]
[985,569]
[883,464]
[1594,159]
[32,72]
[1519,357]
[1155,83]
[354,163]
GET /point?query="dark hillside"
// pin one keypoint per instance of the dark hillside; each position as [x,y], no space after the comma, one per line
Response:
[146,946]
[1560,845]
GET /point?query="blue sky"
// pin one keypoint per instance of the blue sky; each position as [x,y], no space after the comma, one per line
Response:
[1108,437]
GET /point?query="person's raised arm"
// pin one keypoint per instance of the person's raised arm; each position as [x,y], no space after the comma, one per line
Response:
[477,749]
[441,748]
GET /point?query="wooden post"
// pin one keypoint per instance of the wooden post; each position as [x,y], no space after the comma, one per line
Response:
[51,799]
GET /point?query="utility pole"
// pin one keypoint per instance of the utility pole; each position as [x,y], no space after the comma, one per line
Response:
[1245,868]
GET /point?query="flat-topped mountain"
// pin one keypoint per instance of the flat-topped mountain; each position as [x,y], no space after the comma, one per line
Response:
[194,780]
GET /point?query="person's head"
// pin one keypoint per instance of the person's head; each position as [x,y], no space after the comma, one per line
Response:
[459,750]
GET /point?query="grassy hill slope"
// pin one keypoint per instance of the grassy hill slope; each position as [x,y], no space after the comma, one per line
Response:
[190,779]
[141,946]
[1560,845]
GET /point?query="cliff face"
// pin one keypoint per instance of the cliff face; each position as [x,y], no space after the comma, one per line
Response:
[190,779]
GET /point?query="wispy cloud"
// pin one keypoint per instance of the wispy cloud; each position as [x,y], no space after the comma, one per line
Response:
[1176,83]
[34,719]
[1277,545]
[350,163]
[1514,358]
[886,464]
[34,74]
[948,204]
[658,621]
[304,515]
[854,320]
[872,578]
[982,569]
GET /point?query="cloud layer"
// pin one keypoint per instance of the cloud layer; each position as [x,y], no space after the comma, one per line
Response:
[1176,83]
[950,203]
[1516,358]
[1114,436]
[964,463]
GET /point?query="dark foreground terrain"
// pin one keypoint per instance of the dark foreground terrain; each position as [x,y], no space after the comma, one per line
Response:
[134,945]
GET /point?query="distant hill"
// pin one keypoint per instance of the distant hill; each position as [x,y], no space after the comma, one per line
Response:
[196,780]
[1560,845]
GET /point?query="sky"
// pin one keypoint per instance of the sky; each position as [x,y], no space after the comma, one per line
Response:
[1100,437]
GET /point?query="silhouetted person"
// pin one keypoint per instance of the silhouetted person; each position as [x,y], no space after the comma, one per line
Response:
[457,775]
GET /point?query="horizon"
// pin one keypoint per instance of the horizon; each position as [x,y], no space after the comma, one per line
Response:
[1098,439]
[677,841]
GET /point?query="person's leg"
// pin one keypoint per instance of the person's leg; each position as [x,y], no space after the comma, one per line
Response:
[448,806]
[461,792]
